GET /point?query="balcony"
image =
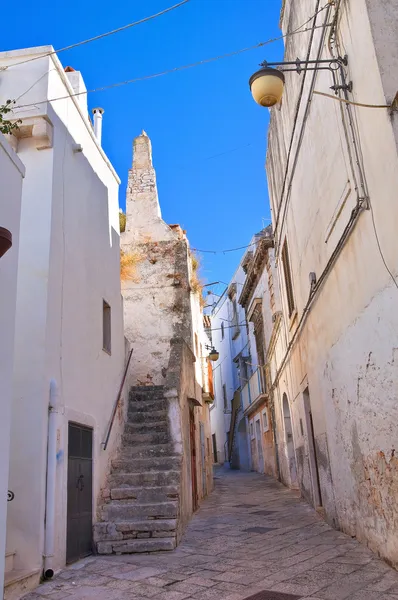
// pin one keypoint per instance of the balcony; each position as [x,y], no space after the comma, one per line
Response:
[254,390]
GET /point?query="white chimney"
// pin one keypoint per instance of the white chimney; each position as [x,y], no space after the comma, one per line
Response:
[98,112]
[79,88]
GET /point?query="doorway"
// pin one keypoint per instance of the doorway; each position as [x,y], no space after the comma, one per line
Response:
[193,460]
[243,445]
[215,458]
[260,454]
[289,441]
[80,493]
[203,457]
[314,467]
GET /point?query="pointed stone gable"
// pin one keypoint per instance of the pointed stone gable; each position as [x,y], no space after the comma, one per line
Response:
[143,215]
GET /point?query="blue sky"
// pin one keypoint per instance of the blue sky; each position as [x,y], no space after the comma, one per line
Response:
[208,135]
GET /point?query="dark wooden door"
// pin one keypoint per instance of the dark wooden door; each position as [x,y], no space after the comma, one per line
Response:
[80,493]
[193,460]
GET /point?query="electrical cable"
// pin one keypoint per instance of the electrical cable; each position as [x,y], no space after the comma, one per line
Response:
[344,101]
[98,37]
[224,251]
[168,71]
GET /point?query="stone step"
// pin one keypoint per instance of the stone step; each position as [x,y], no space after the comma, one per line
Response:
[148,406]
[151,437]
[147,417]
[123,530]
[147,450]
[137,546]
[140,465]
[142,396]
[145,494]
[124,510]
[146,388]
[161,426]
[145,479]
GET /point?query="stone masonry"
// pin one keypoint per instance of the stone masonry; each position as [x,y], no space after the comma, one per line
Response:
[141,508]
[148,498]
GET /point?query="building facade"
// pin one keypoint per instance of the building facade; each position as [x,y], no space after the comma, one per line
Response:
[166,446]
[332,171]
[259,297]
[231,339]
[12,171]
[69,344]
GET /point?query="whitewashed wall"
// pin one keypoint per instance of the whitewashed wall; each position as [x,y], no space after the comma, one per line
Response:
[225,370]
[11,175]
[346,352]
[68,263]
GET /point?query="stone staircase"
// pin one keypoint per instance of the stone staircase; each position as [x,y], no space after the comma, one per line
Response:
[141,503]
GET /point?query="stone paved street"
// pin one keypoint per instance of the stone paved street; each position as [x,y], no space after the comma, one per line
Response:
[251,535]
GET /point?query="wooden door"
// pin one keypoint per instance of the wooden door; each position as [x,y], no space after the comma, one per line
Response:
[193,460]
[80,493]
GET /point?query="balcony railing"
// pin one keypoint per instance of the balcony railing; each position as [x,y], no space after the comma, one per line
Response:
[254,388]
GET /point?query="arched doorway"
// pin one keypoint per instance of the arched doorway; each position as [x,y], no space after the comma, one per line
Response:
[289,441]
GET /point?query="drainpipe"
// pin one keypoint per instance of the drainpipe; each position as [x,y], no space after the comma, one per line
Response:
[98,112]
[51,481]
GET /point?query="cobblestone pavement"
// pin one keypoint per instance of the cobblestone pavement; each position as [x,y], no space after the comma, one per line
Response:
[252,534]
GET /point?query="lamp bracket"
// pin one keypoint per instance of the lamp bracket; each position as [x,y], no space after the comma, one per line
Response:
[298,65]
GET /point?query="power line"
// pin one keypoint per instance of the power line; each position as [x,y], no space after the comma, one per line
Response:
[224,251]
[168,71]
[99,37]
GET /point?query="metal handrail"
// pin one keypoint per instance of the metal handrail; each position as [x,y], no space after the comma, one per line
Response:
[110,425]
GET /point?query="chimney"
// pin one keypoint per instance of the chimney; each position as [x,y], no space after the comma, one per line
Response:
[79,88]
[98,112]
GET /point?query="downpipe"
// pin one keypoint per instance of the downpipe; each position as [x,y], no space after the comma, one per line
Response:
[51,481]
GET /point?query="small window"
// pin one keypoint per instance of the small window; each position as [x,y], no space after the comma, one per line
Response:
[224,393]
[222,330]
[288,278]
[196,345]
[265,420]
[106,327]
[252,430]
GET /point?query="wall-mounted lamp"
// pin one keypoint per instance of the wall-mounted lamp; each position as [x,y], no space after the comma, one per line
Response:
[214,355]
[5,240]
[268,83]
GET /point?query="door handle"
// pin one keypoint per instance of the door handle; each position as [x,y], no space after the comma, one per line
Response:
[79,483]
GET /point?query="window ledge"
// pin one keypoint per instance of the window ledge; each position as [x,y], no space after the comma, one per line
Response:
[108,352]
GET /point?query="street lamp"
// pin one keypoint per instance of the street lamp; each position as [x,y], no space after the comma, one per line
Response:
[267,84]
[214,355]
[5,240]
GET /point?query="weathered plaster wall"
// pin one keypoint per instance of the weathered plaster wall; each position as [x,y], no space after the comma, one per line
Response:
[345,351]
[163,318]
[157,294]
[12,171]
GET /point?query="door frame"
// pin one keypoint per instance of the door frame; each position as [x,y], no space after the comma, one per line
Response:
[313,459]
[194,475]
[258,431]
[86,427]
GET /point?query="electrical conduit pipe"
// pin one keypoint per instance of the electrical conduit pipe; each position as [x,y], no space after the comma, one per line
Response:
[51,480]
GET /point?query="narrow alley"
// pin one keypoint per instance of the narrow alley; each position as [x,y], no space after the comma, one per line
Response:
[247,539]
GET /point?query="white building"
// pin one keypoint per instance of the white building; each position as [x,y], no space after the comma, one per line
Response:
[259,298]
[12,171]
[332,171]
[69,342]
[231,339]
